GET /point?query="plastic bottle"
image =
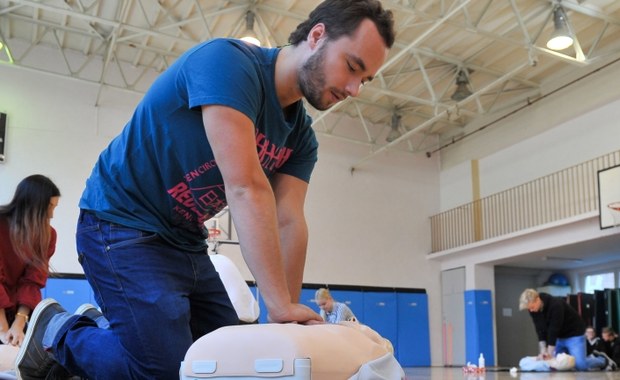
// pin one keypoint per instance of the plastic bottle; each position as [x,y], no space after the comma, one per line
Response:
[481,362]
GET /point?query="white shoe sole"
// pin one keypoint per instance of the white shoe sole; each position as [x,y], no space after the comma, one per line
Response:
[84,308]
[29,331]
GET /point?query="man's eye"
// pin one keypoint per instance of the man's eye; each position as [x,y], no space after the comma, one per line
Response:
[351,68]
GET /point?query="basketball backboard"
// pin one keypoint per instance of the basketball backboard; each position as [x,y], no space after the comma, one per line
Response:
[609,196]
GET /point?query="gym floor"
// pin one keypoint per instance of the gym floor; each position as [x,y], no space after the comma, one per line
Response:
[454,373]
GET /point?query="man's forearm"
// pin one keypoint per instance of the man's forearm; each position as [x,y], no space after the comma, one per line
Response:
[293,243]
[254,214]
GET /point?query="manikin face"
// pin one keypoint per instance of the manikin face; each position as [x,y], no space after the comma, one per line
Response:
[338,68]
[326,304]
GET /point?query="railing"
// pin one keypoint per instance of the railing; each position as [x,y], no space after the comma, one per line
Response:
[564,194]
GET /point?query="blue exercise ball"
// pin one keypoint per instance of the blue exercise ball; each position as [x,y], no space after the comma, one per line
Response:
[558,279]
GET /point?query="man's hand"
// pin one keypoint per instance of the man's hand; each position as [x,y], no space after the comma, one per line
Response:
[542,351]
[296,313]
[547,353]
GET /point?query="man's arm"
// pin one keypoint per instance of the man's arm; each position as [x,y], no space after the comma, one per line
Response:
[290,193]
[253,208]
[556,312]
[541,331]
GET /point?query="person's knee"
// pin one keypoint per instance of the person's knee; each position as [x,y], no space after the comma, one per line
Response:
[581,364]
[582,367]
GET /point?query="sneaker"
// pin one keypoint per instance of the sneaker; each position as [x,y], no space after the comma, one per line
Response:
[33,360]
[93,313]
[88,310]
[610,364]
[58,372]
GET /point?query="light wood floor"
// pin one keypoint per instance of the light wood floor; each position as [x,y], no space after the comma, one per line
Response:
[451,373]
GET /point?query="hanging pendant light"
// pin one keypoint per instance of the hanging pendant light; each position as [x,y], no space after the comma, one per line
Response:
[561,38]
[249,35]
[394,128]
[462,87]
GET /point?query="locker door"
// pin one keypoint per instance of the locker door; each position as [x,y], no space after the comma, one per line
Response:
[307,298]
[262,318]
[380,314]
[69,292]
[353,299]
[479,326]
[453,318]
[413,330]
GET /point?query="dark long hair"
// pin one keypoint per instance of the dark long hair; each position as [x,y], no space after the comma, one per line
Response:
[342,17]
[28,219]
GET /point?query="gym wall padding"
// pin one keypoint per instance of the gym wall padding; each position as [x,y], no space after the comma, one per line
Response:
[479,326]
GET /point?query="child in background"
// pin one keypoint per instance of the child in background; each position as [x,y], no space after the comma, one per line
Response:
[332,311]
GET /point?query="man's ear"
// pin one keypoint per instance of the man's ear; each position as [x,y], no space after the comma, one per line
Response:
[316,34]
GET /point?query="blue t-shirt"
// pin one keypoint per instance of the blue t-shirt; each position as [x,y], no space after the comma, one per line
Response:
[160,175]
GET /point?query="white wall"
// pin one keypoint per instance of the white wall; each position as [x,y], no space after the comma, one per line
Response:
[366,228]
[53,128]
[571,126]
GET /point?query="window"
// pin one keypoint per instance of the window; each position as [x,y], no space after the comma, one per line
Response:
[599,282]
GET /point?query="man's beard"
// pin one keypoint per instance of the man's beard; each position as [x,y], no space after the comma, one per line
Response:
[312,80]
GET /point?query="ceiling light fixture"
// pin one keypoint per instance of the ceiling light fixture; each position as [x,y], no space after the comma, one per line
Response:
[462,89]
[558,258]
[249,35]
[394,131]
[561,38]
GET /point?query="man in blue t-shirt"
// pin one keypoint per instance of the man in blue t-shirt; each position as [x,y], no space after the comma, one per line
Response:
[224,125]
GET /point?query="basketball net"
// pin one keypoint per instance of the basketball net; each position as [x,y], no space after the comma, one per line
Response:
[614,210]
[214,234]
[213,229]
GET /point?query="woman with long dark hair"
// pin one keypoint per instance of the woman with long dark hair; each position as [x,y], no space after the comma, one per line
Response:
[27,241]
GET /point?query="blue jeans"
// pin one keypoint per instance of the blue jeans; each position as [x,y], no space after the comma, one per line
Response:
[158,299]
[576,347]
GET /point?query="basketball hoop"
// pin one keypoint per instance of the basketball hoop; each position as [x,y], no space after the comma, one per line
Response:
[614,210]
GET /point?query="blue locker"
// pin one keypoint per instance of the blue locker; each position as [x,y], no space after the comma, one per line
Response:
[414,347]
[380,314]
[306,297]
[69,292]
[479,326]
[262,318]
[354,299]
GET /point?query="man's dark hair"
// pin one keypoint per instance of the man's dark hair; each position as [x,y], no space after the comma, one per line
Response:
[609,330]
[342,17]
